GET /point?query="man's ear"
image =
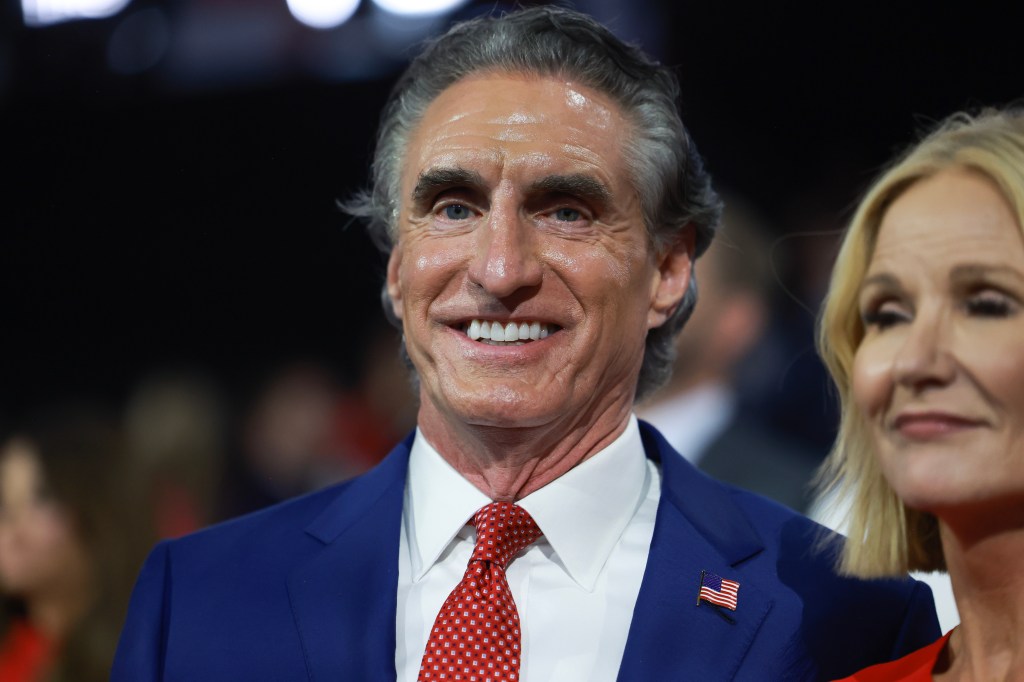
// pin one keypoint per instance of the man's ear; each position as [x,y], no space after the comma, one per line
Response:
[672,277]
[394,281]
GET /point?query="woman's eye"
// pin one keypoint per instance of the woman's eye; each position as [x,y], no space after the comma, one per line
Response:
[456,212]
[989,305]
[567,215]
[883,317]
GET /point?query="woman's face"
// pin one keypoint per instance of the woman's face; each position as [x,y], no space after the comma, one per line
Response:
[39,550]
[939,374]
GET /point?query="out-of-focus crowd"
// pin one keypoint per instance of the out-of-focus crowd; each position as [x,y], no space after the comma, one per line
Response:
[87,488]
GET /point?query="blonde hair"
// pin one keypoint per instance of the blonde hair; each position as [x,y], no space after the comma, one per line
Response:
[886,537]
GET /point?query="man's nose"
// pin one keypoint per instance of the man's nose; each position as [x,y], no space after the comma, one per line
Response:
[925,356]
[505,258]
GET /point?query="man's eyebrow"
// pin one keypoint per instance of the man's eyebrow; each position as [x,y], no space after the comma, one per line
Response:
[430,181]
[574,184]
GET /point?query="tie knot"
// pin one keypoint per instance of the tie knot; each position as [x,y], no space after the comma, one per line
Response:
[503,529]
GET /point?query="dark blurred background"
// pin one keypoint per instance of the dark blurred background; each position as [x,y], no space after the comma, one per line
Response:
[170,173]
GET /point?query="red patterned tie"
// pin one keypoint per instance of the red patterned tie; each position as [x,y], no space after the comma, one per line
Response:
[476,634]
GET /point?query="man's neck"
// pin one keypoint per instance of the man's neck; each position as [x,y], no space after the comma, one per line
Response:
[507,464]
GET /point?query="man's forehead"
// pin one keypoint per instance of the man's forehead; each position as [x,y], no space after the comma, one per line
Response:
[494,118]
[493,96]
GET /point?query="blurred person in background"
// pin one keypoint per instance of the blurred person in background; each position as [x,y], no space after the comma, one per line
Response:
[372,416]
[923,332]
[701,411]
[284,439]
[71,542]
[176,427]
[784,380]
[305,429]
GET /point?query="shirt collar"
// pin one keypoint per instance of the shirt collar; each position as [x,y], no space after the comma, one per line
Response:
[582,513]
[439,502]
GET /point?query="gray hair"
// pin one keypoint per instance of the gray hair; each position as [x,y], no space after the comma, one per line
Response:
[666,169]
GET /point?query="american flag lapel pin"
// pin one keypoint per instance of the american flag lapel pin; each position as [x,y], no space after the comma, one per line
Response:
[718,592]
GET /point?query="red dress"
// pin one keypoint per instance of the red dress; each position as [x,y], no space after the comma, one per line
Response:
[914,667]
[25,654]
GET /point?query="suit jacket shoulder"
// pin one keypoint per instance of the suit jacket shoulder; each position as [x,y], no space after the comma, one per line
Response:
[795,619]
[302,590]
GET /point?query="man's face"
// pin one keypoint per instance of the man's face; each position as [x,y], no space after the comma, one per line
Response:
[518,214]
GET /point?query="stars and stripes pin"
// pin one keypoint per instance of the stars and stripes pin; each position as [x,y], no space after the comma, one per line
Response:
[717,590]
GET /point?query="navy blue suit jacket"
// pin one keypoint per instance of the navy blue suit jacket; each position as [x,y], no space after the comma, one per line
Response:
[306,590]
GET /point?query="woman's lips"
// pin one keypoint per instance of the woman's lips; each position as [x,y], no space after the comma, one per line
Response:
[931,425]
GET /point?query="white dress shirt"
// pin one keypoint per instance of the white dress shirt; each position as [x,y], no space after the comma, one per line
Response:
[575,588]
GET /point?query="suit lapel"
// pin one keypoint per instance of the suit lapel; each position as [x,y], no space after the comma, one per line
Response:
[698,528]
[344,596]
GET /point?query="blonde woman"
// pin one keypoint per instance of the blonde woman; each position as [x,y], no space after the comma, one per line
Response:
[923,332]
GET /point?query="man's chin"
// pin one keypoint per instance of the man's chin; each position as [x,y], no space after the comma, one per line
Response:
[499,406]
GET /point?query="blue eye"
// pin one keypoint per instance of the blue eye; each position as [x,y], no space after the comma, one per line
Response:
[456,212]
[567,214]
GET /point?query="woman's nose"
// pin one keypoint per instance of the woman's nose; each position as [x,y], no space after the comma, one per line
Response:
[925,356]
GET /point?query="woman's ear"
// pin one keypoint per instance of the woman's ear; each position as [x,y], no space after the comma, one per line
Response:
[672,278]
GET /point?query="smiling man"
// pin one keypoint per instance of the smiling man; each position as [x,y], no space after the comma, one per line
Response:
[525,278]
[541,205]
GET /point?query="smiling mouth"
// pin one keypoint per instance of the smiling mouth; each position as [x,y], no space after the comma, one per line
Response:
[507,333]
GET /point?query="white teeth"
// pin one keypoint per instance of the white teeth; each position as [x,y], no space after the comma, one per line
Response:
[510,332]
